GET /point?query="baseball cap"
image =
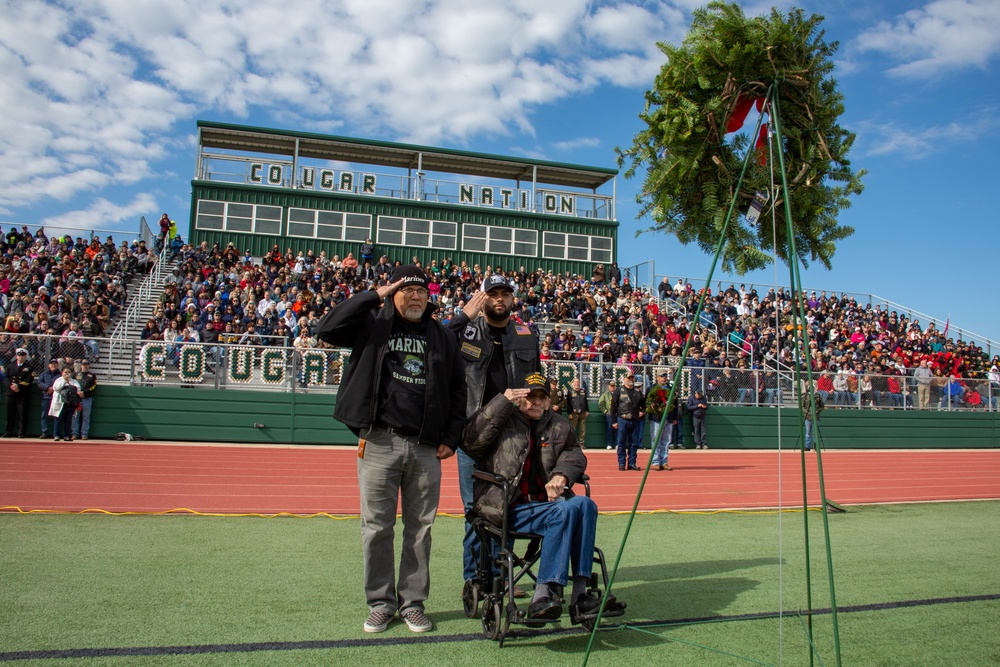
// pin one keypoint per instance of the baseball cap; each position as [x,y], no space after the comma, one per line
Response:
[536,382]
[494,282]
[662,374]
[410,275]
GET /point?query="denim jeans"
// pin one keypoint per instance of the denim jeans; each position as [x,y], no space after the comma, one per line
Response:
[629,437]
[568,528]
[809,433]
[81,421]
[698,430]
[663,440]
[470,542]
[46,420]
[610,438]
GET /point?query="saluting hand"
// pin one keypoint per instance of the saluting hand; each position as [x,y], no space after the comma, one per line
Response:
[474,305]
[386,290]
[517,396]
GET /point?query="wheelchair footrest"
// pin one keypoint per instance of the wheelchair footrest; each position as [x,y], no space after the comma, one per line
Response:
[614,607]
[520,617]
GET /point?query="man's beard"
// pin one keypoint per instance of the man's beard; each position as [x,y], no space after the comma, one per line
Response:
[413,313]
[498,312]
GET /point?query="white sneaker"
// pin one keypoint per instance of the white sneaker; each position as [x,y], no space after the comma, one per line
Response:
[417,621]
[378,620]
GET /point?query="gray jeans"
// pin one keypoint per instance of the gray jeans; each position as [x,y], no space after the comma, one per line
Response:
[397,467]
[698,430]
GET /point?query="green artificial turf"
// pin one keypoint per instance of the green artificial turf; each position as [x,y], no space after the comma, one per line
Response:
[92,581]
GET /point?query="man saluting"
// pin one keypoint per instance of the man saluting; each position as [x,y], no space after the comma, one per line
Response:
[403,394]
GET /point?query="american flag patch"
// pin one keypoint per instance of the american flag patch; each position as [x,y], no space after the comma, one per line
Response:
[522,330]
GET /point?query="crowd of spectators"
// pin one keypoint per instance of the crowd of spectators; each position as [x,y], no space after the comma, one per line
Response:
[63,288]
[222,294]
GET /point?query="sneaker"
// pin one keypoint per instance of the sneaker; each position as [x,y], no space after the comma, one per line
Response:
[609,447]
[417,620]
[378,620]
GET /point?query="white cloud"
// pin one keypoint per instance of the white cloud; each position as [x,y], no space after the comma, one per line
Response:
[880,139]
[943,36]
[101,214]
[95,91]
[581,142]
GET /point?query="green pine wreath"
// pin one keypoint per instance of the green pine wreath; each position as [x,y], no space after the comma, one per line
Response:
[692,160]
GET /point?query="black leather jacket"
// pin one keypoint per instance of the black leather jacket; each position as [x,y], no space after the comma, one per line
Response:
[475,342]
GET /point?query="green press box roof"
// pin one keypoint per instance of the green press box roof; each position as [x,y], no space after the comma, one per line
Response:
[405,156]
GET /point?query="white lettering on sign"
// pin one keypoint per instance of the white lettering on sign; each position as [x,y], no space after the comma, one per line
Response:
[281,174]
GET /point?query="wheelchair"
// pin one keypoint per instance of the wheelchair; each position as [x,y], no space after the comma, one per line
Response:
[500,569]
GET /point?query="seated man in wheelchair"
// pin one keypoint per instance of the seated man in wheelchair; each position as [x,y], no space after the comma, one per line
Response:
[516,438]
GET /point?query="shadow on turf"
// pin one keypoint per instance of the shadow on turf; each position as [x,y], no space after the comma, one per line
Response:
[689,570]
[662,593]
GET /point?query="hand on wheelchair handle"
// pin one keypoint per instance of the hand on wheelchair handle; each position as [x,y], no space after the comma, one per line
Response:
[556,487]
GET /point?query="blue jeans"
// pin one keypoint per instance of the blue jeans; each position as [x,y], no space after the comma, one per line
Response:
[81,421]
[809,433]
[567,528]
[610,439]
[629,437]
[665,439]
[470,542]
[46,420]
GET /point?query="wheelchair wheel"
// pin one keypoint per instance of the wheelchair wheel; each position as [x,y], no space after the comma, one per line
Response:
[492,618]
[470,599]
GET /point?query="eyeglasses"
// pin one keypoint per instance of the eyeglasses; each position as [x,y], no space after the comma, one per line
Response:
[419,291]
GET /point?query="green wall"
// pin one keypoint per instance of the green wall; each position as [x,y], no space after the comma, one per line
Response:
[197,414]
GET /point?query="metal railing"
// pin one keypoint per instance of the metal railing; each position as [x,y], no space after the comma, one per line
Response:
[489,194]
[130,321]
[227,365]
[769,388]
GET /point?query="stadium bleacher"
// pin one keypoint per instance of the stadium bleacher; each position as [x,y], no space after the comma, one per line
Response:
[73,289]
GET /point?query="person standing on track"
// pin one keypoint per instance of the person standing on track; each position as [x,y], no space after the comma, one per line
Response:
[19,381]
[628,408]
[498,352]
[404,394]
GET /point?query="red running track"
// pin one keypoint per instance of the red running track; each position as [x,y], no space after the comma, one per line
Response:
[159,477]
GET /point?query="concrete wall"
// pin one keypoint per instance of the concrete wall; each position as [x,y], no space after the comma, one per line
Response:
[197,414]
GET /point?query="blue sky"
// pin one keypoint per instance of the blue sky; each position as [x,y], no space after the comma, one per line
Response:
[100,97]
